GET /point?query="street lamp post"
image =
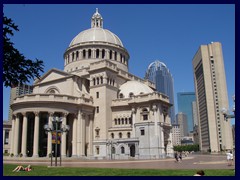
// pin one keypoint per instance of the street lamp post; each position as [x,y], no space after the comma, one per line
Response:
[56,131]
[226,113]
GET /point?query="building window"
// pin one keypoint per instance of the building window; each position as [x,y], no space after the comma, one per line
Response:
[120,135]
[142,132]
[115,121]
[128,134]
[97,150]
[145,117]
[112,135]
[121,95]
[97,94]
[97,109]
[130,94]
[145,114]
[97,130]
[122,150]
[113,150]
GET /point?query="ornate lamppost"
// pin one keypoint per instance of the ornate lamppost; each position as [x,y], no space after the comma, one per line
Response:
[56,132]
[226,113]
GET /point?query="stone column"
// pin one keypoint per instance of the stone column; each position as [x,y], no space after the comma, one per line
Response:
[133,121]
[90,135]
[107,54]
[36,135]
[155,119]
[49,143]
[16,136]
[93,53]
[79,132]
[12,137]
[83,135]
[64,136]
[24,135]
[74,137]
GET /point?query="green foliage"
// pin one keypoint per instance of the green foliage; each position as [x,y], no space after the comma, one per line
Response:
[17,69]
[79,171]
[190,147]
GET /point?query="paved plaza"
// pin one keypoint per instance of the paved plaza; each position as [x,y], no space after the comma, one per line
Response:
[191,162]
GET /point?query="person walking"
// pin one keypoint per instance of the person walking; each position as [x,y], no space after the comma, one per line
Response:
[176,156]
[229,158]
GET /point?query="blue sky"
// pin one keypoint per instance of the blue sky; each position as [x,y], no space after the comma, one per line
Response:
[169,33]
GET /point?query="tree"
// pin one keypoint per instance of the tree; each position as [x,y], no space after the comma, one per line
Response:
[17,69]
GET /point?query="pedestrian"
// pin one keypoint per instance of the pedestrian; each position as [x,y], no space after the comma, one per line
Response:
[176,156]
[199,173]
[229,158]
[180,156]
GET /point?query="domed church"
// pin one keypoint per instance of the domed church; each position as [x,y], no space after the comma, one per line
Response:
[111,114]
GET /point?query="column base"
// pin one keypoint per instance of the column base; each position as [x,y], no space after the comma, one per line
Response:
[35,156]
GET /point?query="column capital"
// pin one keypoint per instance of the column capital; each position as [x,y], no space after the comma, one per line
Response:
[133,110]
[51,114]
[24,113]
[65,114]
[36,113]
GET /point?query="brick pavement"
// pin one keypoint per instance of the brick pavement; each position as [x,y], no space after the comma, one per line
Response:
[191,162]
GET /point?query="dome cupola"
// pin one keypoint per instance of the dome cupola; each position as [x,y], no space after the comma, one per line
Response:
[95,44]
[97,20]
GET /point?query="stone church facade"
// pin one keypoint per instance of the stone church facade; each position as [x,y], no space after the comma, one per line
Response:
[112,114]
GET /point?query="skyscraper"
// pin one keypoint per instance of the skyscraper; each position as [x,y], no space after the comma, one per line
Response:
[19,90]
[185,100]
[211,96]
[158,73]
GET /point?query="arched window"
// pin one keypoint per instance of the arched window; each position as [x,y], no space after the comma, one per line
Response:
[112,135]
[126,121]
[97,53]
[101,79]
[115,121]
[84,54]
[122,121]
[89,53]
[73,56]
[145,114]
[131,94]
[110,54]
[128,134]
[120,135]
[94,81]
[103,53]
[121,95]
[115,56]
[119,120]
[122,150]
[77,55]
[97,80]
[52,91]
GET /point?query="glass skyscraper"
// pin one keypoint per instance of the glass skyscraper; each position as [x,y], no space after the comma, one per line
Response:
[185,100]
[158,73]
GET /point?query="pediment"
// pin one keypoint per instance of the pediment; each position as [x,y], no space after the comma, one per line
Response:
[52,75]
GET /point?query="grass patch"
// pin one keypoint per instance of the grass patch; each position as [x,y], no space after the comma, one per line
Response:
[79,171]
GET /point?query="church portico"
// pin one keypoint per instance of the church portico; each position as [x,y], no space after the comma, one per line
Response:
[31,140]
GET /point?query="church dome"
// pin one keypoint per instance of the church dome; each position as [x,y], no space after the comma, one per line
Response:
[134,88]
[96,33]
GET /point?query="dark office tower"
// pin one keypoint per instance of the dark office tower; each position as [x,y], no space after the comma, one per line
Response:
[185,100]
[158,73]
[215,133]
